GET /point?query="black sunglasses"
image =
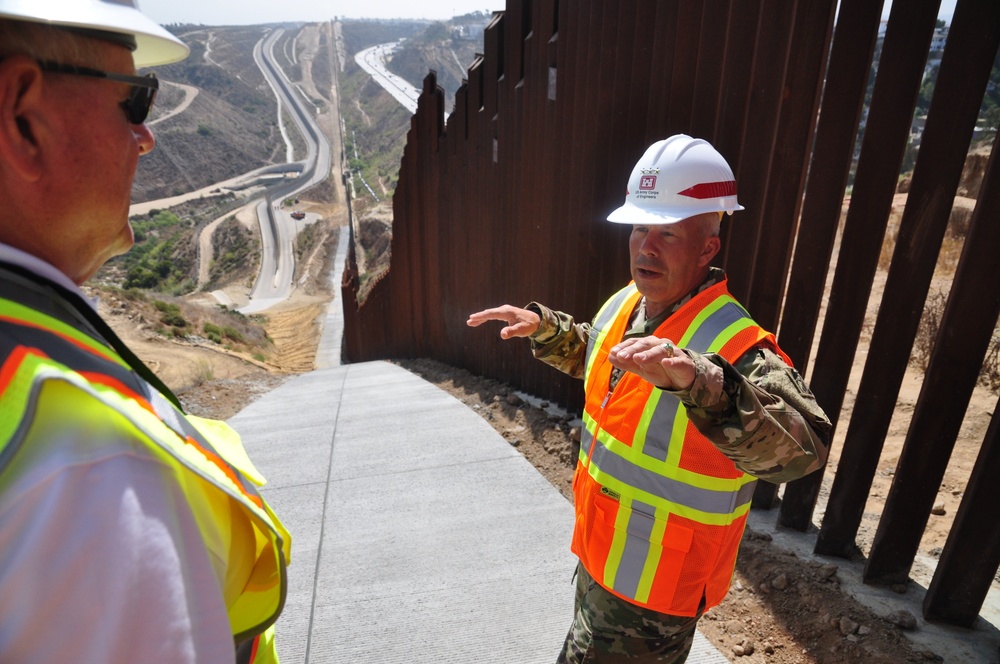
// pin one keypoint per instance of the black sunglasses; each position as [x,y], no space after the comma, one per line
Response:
[142,90]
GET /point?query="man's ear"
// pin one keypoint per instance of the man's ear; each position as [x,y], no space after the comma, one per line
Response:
[711,248]
[21,114]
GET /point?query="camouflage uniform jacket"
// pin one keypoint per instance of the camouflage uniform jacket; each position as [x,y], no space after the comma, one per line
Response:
[758,412]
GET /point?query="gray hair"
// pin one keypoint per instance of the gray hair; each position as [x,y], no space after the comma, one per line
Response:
[710,223]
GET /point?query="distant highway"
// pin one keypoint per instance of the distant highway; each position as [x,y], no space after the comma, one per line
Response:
[372,60]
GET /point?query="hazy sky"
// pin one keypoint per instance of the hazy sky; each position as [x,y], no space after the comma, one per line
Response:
[253,12]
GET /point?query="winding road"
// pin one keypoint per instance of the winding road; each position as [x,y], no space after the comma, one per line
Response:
[282,181]
[277,228]
[190,92]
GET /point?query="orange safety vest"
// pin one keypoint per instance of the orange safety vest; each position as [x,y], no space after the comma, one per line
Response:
[659,510]
[38,349]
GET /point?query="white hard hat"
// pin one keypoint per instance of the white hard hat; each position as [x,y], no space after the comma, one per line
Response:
[119,20]
[677,178]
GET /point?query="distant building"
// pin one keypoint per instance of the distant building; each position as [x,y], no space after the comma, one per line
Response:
[937,42]
[470,31]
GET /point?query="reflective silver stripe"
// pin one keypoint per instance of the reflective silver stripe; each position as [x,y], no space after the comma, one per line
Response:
[661,426]
[640,531]
[672,490]
[714,325]
[165,411]
[745,494]
[586,438]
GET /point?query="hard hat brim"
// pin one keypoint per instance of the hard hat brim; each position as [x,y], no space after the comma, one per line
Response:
[154,50]
[154,44]
[630,213]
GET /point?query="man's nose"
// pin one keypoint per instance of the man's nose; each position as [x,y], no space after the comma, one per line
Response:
[144,136]
[648,245]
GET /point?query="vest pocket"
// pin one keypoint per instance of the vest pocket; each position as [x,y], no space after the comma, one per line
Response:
[676,546]
[677,537]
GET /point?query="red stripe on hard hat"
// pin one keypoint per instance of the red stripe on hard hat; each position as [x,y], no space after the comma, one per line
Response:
[710,190]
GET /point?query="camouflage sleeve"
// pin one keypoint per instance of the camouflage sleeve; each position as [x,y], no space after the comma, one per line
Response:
[559,341]
[759,413]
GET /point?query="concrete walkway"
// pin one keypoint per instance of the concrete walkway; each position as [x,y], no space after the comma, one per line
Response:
[332,326]
[419,534]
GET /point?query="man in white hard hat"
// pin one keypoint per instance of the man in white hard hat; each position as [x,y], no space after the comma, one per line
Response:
[129,531]
[688,403]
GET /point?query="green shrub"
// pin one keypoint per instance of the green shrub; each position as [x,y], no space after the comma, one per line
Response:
[232,333]
[170,314]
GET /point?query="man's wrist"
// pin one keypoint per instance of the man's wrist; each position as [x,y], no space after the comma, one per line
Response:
[707,389]
[548,324]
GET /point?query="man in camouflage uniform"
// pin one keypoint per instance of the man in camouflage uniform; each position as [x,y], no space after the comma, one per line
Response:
[755,410]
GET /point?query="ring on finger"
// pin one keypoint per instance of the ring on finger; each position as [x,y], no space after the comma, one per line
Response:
[669,347]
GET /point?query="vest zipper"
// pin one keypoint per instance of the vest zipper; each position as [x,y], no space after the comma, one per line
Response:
[598,426]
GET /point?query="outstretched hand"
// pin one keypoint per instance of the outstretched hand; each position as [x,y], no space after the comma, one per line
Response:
[520,322]
[655,360]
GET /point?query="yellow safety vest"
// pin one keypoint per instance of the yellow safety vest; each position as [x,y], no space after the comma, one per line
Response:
[659,510]
[38,351]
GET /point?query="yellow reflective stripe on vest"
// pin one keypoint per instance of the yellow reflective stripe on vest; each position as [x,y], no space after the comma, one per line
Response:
[14,398]
[32,369]
[710,325]
[21,315]
[599,332]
